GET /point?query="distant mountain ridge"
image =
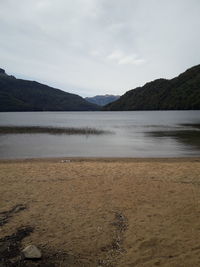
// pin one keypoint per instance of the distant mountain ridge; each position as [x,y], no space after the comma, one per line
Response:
[23,95]
[179,93]
[102,100]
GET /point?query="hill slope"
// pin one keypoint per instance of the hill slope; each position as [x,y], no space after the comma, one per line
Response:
[23,95]
[180,93]
[102,100]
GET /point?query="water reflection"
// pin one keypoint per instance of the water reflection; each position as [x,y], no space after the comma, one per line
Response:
[188,134]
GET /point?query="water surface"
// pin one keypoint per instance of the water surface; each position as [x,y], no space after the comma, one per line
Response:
[133,134]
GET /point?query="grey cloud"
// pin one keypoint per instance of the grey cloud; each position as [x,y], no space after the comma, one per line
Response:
[73,44]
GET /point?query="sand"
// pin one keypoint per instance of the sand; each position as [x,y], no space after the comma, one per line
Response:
[104,212]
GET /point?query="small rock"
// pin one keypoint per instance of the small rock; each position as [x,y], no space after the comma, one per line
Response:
[65,160]
[31,252]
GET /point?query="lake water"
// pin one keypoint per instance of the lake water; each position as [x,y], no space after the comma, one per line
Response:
[134,134]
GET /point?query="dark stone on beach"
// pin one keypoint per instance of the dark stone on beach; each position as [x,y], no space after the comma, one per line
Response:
[6,215]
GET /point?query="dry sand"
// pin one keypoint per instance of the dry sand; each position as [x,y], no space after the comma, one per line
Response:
[105,212]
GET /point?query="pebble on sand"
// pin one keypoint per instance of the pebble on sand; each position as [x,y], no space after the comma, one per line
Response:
[31,252]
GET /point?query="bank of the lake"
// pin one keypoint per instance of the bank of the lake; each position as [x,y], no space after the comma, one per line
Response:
[103,212]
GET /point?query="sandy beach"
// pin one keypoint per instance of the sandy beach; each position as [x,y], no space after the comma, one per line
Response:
[101,212]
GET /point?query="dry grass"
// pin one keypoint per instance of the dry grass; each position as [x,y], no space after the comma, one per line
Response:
[50,130]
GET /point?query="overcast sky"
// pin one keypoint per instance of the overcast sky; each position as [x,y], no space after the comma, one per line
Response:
[91,47]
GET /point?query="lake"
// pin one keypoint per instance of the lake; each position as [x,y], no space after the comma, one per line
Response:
[131,134]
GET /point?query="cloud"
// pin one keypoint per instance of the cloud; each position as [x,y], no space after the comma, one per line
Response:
[91,46]
[95,53]
[121,58]
[131,60]
[117,54]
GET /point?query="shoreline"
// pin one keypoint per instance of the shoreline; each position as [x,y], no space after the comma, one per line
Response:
[101,159]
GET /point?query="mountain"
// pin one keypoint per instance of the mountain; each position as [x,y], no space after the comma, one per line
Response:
[23,95]
[102,100]
[180,93]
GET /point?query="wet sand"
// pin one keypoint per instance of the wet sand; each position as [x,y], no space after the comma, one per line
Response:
[102,212]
